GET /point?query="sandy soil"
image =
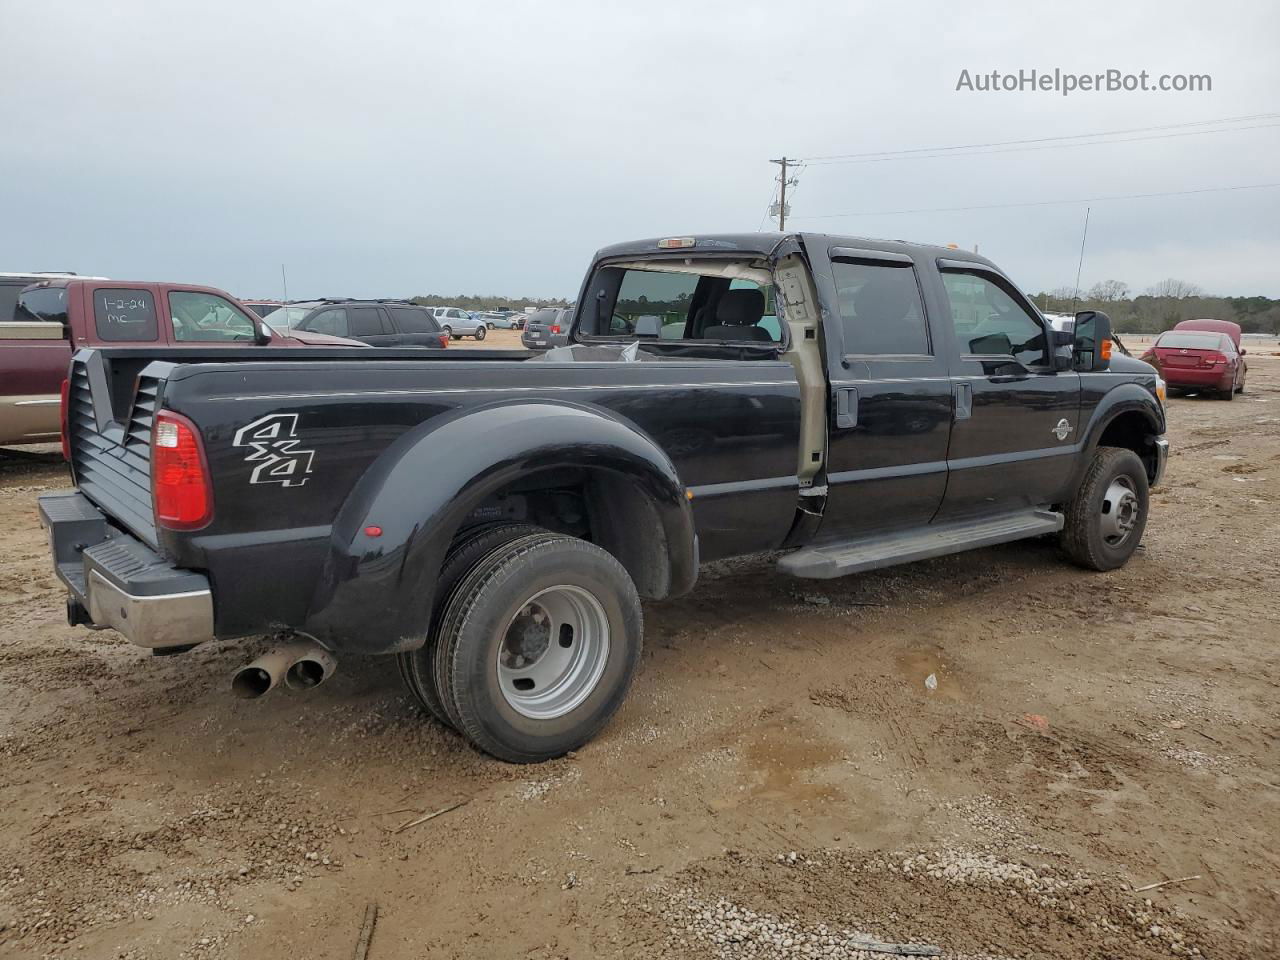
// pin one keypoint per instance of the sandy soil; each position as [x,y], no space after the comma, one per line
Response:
[782,782]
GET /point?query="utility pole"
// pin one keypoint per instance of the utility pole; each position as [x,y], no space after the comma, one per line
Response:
[782,196]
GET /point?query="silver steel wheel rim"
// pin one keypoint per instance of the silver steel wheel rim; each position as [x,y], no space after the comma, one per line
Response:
[553,652]
[1120,511]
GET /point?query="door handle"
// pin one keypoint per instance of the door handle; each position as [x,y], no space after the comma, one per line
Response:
[846,407]
[964,400]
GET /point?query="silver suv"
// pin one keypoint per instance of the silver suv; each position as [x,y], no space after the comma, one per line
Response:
[458,323]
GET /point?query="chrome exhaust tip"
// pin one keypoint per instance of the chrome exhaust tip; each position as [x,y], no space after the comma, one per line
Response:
[300,665]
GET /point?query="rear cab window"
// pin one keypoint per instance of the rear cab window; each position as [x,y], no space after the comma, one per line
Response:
[716,301]
[125,315]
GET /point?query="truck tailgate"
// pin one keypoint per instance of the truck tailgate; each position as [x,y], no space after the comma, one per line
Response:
[111,457]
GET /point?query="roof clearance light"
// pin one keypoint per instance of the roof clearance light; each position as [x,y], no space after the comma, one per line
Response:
[675,243]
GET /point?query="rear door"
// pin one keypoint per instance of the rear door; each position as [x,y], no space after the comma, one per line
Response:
[34,354]
[889,417]
[1016,432]
[417,327]
[369,324]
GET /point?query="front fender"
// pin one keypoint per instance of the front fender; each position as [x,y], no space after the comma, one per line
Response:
[1119,400]
[376,594]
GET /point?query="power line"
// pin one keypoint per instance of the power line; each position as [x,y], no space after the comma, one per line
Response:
[1039,203]
[1052,146]
[768,208]
[1075,136]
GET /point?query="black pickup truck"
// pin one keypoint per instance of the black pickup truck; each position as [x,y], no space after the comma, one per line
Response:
[494,518]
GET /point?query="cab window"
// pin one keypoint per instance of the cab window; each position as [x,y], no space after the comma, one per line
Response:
[881,313]
[207,317]
[124,314]
[684,306]
[990,321]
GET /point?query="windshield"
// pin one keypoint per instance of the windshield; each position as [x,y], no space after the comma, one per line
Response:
[286,318]
[1191,341]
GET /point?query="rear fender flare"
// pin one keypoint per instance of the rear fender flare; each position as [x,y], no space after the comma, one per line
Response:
[376,593]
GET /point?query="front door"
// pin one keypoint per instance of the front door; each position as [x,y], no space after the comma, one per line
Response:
[1017,429]
[890,405]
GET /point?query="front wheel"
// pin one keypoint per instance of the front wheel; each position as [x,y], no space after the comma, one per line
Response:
[539,647]
[481,331]
[1106,519]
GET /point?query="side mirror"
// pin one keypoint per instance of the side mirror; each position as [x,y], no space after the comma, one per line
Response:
[1091,340]
[648,326]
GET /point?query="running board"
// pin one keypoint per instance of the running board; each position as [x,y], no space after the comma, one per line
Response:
[869,553]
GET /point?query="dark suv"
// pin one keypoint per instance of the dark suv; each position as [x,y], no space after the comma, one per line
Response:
[547,328]
[379,323]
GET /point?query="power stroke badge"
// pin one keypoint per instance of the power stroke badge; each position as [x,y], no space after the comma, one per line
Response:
[274,450]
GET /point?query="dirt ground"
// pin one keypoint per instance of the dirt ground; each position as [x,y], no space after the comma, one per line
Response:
[783,782]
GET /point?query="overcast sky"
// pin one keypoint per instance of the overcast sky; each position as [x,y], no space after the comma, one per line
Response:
[394,147]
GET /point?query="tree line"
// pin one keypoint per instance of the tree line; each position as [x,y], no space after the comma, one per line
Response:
[1163,305]
[485,304]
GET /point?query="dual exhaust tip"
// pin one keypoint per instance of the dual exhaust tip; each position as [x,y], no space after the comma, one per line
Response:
[299,665]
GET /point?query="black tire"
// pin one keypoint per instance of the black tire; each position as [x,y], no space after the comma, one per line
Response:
[417,667]
[481,332]
[448,332]
[1083,534]
[473,638]
[1229,394]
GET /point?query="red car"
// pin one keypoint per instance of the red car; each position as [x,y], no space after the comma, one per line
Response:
[51,319]
[1197,359]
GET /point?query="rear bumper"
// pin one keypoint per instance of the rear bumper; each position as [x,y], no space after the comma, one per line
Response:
[116,581]
[1162,459]
[1189,377]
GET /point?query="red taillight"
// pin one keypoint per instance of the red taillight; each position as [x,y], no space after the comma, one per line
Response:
[555,328]
[66,421]
[179,474]
[1216,358]
[444,339]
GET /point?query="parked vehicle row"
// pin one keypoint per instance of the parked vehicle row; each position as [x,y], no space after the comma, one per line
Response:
[493,519]
[376,323]
[46,318]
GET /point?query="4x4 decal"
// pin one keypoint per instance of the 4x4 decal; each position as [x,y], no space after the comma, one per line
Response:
[273,447]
